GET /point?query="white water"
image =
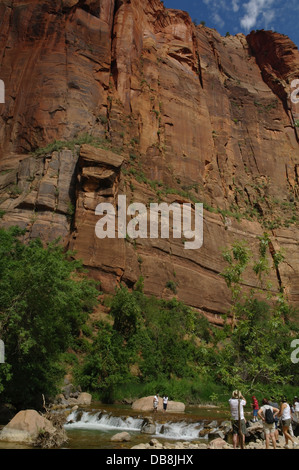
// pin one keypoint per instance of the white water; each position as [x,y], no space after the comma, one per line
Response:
[107,422]
[179,430]
[102,422]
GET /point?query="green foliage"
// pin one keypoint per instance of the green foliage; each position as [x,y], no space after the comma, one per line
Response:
[156,336]
[175,350]
[126,313]
[43,304]
[257,350]
[81,139]
[106,364]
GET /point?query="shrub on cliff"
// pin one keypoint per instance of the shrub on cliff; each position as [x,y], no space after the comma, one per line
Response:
[44,300]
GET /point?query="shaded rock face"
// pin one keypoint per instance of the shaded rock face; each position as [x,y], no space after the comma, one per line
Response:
[176,113]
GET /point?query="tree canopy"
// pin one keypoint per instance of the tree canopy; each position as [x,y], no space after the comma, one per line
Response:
[45,298]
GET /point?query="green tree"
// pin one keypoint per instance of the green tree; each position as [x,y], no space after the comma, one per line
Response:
[257,351]
[106,364]
[237,258]
[44,300]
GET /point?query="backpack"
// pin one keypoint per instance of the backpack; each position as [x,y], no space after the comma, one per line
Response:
[269,418]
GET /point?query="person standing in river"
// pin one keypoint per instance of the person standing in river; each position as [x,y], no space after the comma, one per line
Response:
[237,403]
[156,402]
[165,402]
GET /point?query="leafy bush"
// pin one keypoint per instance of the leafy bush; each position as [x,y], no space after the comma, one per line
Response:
[43,304]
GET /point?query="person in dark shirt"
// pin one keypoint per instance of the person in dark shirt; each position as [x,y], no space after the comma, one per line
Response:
[274,404]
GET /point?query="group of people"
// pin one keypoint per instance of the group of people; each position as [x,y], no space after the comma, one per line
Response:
[156,402]
[270,413]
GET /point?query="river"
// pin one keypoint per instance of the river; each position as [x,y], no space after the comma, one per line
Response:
[93,428]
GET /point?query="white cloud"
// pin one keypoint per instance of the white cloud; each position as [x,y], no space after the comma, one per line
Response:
[235,5]
[218,20]
[254,10]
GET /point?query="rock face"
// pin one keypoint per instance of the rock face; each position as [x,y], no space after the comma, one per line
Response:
[25,426]
[111,97]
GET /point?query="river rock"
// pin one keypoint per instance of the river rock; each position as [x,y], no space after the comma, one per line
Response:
[146,404]
[255,431]
[121,437]
[25,427]
[216,434]
[84,399]
[148,426]
[217,443]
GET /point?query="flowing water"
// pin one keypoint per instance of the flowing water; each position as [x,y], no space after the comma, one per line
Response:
[93,429]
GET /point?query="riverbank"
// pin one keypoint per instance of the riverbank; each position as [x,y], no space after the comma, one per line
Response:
[98,426]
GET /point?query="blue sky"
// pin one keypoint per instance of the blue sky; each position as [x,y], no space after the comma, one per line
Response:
[242,16]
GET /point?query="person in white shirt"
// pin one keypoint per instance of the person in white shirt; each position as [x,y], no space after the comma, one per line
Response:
[269,428]
[286,418]
[156,402]
[296,408]
[237,402]
[165,401]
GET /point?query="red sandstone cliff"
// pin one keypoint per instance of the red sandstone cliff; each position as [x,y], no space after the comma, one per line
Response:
[182,113]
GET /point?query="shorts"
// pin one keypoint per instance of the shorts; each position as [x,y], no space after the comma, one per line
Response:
[235,424]
[269,428]
[255,412]
[286,422]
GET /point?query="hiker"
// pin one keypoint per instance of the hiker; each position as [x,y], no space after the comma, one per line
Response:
[255,408]
[156,402]
[286,418]
[267,414]
[274,404]
[236,402]
[296,408]
[165,401]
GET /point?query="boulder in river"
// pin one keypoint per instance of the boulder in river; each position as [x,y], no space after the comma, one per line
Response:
[25,427]
[148,426]
[146,404]
[121,437]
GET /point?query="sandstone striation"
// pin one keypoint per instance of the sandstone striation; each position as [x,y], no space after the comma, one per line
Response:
[117,97]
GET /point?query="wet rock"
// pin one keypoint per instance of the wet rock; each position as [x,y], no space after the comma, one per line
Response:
[148,426]
[121,437]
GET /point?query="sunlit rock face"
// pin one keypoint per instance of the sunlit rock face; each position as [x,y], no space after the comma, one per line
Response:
[108,97]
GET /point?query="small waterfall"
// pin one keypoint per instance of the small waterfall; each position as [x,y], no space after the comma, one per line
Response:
[179,431]
[102,421]
[105,422]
